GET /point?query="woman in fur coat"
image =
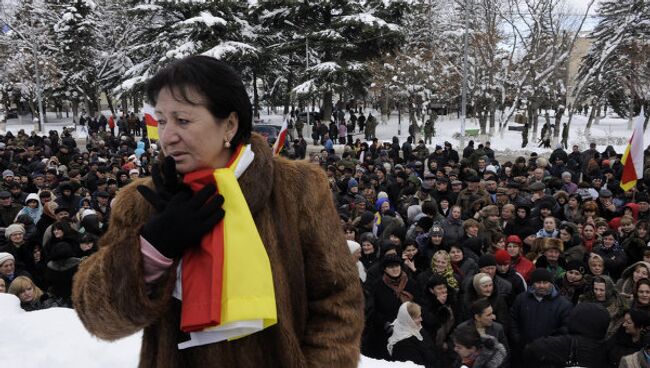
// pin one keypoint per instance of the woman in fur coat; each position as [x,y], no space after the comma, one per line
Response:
[134,281]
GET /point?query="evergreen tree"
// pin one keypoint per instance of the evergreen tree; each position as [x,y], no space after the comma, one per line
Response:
[77,53]
[615,68]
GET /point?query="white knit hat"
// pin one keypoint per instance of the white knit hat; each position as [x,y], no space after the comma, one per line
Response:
[4,256]
[354,246]
[14,228]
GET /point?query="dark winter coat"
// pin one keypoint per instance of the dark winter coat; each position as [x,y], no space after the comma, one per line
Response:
[437,317]
[319,297]
[383,308]
[620,345]
[416,351]
[497,300]
[587,328]
[615,259]
[532,319]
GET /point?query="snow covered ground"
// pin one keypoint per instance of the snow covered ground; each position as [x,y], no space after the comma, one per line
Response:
[609,130]
[56,338]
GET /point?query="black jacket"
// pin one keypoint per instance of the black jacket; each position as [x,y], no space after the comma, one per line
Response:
[587,327]
[532,319]
[416,351]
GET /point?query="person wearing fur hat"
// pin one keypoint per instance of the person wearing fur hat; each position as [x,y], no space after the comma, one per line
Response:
[393,289]
[309,303]
[551,250]
[539,312]
[574,283]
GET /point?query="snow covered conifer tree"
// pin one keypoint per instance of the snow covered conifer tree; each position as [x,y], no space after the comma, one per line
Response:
[615,69]
[76,54]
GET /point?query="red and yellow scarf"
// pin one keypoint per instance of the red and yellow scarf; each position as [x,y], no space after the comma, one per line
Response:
[227,284]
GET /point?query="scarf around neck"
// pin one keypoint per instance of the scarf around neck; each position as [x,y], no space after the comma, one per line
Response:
[226,284]
[398,285]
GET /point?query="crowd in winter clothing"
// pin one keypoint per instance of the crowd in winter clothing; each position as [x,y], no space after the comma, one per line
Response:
[55,203]
[468,260]
[465,259]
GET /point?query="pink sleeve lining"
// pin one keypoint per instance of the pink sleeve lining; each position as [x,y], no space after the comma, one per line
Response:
[155,264]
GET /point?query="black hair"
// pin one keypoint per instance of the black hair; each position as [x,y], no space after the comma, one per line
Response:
[217,81]
[467,336]
[609,233]
[479,306]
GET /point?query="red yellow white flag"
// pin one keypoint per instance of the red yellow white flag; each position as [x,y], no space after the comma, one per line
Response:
[279,142]
[633,157]
[150,122]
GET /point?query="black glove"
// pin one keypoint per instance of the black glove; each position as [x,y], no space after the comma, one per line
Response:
[182,220]
[167,184]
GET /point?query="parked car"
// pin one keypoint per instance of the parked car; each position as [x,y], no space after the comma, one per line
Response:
[302,116]
[269,131]
[11,114]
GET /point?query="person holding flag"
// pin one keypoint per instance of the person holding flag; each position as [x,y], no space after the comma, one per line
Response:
[226,255]
[632,159]
[280,140]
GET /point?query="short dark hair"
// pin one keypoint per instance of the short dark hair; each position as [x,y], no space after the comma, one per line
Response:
[467,336]
[217,81]
[479,306]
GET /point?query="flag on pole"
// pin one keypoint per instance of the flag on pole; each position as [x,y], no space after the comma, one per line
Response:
[150,122]
[279,142]
[633,157]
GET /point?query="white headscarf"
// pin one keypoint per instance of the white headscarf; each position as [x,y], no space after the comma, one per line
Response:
[354,246]
[403,328]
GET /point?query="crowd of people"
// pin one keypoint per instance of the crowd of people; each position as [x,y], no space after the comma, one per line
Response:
[465,258]
[55,204]
[468,259]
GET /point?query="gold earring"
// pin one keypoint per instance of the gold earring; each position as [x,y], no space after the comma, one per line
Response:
[227,144]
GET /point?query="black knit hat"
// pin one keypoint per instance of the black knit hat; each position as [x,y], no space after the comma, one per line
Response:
[576,265]
[487,260]
[390,260]
[541,274]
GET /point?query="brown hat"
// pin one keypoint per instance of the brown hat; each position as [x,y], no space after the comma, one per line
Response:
[552,243]
[490,210]
[502,191]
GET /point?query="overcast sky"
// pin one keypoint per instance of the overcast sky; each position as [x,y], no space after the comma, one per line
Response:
[581,5]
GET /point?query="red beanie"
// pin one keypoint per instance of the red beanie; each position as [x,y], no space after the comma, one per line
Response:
[513,239]
[503,258]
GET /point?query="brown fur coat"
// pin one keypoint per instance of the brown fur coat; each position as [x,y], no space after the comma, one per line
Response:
[319,299]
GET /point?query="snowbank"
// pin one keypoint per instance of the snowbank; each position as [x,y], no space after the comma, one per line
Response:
[56,338]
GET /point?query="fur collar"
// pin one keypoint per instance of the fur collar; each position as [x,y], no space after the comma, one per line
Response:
[257,181]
